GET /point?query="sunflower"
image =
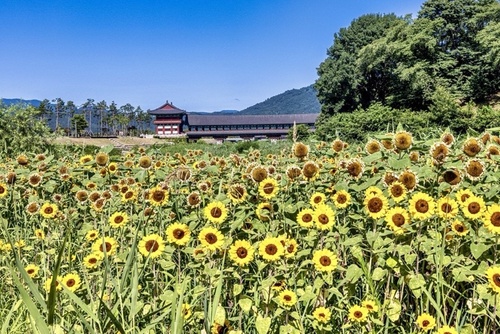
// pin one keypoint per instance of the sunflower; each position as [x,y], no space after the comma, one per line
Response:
[355,168]
[370,305]
[408,179]
[492,149]
[305,218]
[118,219]
[48,283]
[322,314]
[178,234]
[358,313]
[310,170]
[268,188]
[373,146]
[264,211]
[324,260]
[300,150]
[389,178]
[113,167]
[40,234]
[193,199]
[324,217]
[414,156]
[241,252]
[463,195]
[446,207]
[32,270]
[474,169]
[402,140]
[375,205]
[493,274]
[11,178]
[151,245]
[459,228]
[452,176]
[287,298]
[447,330]
[34,179]
[397,190]
[474,207]
[93,260]
[92,235]
[472,147]
[372,190]
[439,153]
[158,196]
[32,208]
[145,162]
[258,173]
[106,244]
[317,198]
[291,247]
[102,158]
[86,159]
[81,196]
[293,172]
[491,218]
[396,218]
[215,212]
[94,196]
[186,311]
[426,322]
[271,249]
[341,199]
[48,210]
[183,174]
[237,193]
[71,281]
[211,238]
[421,206]
[447,138]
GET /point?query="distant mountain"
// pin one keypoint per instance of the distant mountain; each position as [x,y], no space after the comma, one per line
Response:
[294,101]
[8,102]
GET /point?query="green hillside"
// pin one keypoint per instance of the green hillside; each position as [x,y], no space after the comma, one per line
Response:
[294,101]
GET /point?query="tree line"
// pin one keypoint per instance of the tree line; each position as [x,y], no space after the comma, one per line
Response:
[94,118]
[442,64]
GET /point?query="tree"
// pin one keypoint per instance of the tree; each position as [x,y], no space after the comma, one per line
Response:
[78,123]
[339,77]
[44,110]
[70,110]
[58,109]
[102,107]
[88,108]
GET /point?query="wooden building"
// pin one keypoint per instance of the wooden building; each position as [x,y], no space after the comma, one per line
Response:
[172,121]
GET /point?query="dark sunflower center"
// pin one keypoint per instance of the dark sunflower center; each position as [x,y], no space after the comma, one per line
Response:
[290,248]
[307,218]
[30,271]
[216,212]
[158,196]
[459,228]
[238,192]
[152,246]
[325,261]
[287,298]
[396,191]
[129,195]
[268,188]
[271,249]
[495,219]
[317,199]
[93,260]
[71,282]
[211,238]
[358,314]
[178,233]
[375,205]
[321,315]
[341,199]
[119,219]
[474,207]
[451,177]
[425,323]
[422,206]
[242,252]
[323,219]
[464,197]
[496,279]
[354,169]
[48,210]
[107,245]
[475,169]
[398,219]
[446,208]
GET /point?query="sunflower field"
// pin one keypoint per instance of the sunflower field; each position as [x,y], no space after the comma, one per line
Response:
[398,235]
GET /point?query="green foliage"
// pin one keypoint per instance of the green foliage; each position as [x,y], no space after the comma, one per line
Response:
[79,123]
[246,146]
[22,130]
[302,132]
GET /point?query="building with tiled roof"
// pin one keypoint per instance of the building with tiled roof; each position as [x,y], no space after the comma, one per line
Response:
[172,121]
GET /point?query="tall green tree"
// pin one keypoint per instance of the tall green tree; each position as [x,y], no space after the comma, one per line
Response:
[339,79]
[79,123]
[102,108]
[58,110]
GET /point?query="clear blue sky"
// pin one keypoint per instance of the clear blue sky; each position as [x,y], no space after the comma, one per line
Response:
[203,55]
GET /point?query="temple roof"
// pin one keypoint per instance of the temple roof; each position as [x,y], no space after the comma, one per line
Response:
[196,120]
[167,109]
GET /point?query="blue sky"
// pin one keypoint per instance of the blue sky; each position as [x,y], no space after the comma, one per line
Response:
[202,55]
